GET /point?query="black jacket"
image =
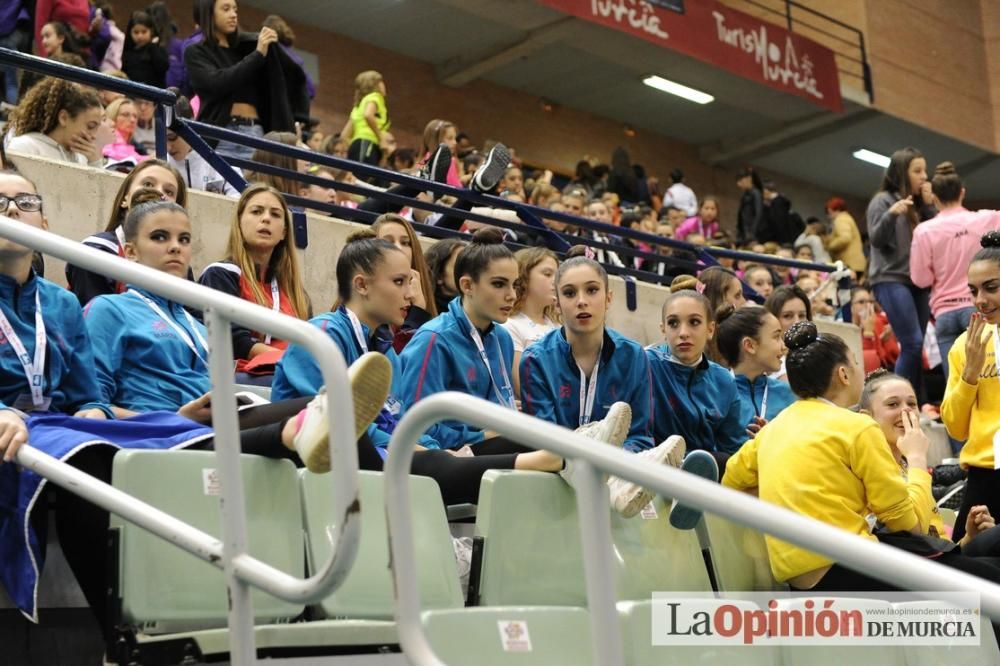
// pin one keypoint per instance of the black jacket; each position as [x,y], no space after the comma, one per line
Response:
[281,83]
[146,64]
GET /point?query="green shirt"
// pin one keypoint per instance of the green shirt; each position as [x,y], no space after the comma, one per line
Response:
[361,127]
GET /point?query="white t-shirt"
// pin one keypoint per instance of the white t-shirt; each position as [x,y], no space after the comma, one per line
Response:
[525,332]
[681,196]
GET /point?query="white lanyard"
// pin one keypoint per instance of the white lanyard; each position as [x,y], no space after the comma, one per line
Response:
[358,333]
[34,370]
[275,304]
[763,402]
[588,392]
[181,333]
[506,402]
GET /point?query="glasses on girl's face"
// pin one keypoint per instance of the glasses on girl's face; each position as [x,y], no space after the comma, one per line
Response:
[28,203]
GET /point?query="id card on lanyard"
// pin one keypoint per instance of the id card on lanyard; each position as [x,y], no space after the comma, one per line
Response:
[33,366]
[181,333]
[505,401]
[275,304]
[588,392]
[359,335]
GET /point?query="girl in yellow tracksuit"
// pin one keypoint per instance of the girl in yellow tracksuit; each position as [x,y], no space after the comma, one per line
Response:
[971,407]
[819,459]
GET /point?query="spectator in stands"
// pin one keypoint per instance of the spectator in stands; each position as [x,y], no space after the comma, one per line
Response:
[441,259]
[721,286]
[780,223]
[750,341]
[165,29]
[57,37]
[680,195]
[513,182]
[114,42]
[144,59]
[844,241]
[335,146]
[534,312]
[286,39]
[464,349]
[750,215]
[941,251]
[970,407]
[244,84]
[760,279]
[123,116]
[622,179]
[29,79]
[790,305]
[812,238]
[15,34]
[145,126]
[705,223]
[904,200]
[585,358]
[439,132]
[368,118]
[108,96]
[584,177]
[59,120]
[374,292]
[177,75]
[692,396]
[153,174]
[843,457]
[198,174]
[260,266]
[399,232]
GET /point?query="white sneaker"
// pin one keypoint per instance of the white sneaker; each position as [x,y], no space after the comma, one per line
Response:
[370,377]
[612,429]
[627,497]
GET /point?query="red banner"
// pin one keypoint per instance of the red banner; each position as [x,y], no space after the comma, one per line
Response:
[724,37]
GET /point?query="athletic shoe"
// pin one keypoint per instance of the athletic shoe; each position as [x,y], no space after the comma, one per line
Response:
[612,429]
[437,165]
[628,497]
[492,170]
[703,464]
[370,377]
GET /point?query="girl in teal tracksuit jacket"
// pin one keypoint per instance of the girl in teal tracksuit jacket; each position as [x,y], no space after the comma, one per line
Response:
[575,373]
[749,339]
[464,349]
[694,397]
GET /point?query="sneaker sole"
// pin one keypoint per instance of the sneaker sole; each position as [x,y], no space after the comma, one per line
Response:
[371,379]
[440,165]
[492,170]
[620,419]
[702,464]
[644,497]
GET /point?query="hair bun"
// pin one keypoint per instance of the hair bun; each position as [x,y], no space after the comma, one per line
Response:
[576,251]
[144,195]
[724,312]
[360,235]
[945,169]
[682,282]
[488,236]
[801,335]
[876,374]
[990,239]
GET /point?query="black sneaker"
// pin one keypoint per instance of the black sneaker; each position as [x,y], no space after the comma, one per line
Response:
[492,170]
[437,165]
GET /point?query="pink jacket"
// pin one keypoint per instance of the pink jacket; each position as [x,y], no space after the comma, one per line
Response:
[694,225]
[941,252]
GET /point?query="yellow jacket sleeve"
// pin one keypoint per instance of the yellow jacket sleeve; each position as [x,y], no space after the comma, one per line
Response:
[741,468]
[959,395]
[918,486]
[888,495]
[840,235]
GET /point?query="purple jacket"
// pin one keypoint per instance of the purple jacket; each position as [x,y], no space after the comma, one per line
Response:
[177,76]
[11,13]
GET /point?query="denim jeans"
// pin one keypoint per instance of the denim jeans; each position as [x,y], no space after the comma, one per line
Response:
[948,326]
[230,149]
[908,311]
[18,40]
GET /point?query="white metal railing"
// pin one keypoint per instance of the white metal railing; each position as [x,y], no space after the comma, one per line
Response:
[883,562]
[241,569]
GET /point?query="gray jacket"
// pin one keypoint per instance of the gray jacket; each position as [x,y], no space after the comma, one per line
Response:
[890,237]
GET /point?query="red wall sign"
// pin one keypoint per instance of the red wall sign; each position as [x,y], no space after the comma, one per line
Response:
[726,38]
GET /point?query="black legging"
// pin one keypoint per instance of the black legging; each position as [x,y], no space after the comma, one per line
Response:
[982,487]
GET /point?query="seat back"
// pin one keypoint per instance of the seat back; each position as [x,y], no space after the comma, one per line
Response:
[517,636]
[739,555]
[367,592]
[163,588]
[834,655]
[533,555]
[986,652]
[637,624]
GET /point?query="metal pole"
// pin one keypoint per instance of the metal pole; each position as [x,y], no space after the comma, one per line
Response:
[160,129]
[231,501]
[598,563]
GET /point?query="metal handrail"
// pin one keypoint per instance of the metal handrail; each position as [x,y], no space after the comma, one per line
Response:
[886,563]
[241,569]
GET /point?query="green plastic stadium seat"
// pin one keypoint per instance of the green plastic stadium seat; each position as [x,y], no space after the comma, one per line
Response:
[515,636]
[163,588]
[533,555]
[832,655]
[637,623]
[739,555]
[986,652]
[367,592]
